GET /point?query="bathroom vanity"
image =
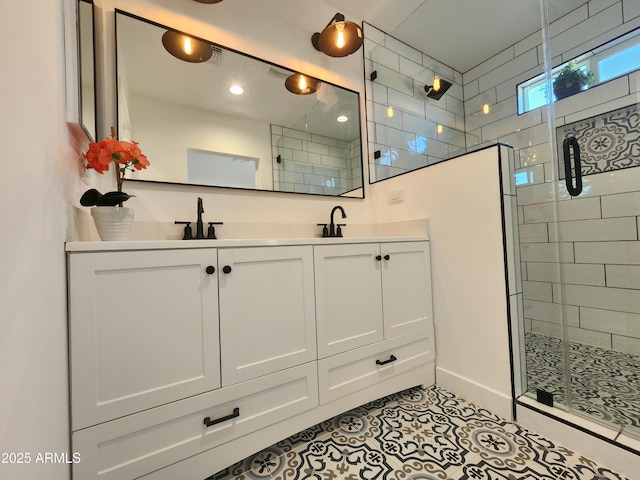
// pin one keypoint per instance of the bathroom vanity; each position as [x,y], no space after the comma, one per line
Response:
[188,356]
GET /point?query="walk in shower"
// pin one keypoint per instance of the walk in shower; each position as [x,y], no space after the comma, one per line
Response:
[578,197]
[576,325]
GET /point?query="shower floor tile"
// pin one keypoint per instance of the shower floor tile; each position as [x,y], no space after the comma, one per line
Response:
[604,384]
[417,434]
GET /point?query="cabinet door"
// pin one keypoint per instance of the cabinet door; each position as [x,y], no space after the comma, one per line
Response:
[143,331]
[348,297]
[267,318]
[406,287]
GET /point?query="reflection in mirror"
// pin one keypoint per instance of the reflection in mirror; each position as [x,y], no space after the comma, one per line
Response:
[184,115]
[417,118]
[86,56]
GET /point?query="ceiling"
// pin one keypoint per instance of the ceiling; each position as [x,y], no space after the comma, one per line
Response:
[459,33]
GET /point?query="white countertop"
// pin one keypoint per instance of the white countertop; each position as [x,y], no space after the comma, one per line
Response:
[205,243]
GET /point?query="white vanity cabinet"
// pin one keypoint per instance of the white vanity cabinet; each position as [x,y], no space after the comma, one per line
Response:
[266,310]
[186,357]
[143,330]
[369,292]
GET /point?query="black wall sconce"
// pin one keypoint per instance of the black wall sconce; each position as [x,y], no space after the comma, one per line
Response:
[339,38]
[438,89]
[301,84]
[186,48]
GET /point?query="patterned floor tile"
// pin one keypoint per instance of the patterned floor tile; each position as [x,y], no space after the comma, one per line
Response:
[604,383]
[417,434]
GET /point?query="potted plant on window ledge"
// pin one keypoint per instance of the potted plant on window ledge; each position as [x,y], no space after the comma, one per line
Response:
[571,80]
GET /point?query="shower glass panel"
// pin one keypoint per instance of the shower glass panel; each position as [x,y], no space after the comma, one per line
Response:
[576,318]
[581,225]
[575,304]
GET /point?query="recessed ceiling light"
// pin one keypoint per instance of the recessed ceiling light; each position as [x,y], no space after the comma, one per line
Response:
[342,118]
[236,89]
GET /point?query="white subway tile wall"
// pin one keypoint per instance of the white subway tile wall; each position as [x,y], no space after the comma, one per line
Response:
[596,238]
[310,163]
[406,129]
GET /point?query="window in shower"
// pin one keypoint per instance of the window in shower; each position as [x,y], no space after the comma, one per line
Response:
[607,62]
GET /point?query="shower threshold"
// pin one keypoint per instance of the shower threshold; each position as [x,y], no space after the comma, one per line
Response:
[604,384]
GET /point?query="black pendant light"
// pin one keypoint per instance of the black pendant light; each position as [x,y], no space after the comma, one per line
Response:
[301,84]
[186,48]
[339,38]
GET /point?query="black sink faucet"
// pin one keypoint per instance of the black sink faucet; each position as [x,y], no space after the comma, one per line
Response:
[188,233]
[199,224]
[333,232]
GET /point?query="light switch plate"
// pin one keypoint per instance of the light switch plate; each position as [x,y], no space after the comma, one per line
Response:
[396,196]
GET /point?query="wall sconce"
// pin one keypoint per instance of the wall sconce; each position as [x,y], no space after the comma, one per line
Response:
[186,48]
[339,38]
[301,84]
[438,89]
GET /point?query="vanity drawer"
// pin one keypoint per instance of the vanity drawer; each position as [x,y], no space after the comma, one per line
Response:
[133,446]
[346,373]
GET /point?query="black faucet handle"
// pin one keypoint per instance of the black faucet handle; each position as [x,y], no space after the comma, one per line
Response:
[339,229]
[188,233]
[211,232]
[325,230]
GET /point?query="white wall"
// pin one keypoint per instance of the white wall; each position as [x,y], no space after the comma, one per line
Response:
[461,199]
[39,177]
[165,131]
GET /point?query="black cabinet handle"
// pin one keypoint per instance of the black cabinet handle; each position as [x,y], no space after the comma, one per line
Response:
[392,358]
[571,144]
[208,422]
[211,270]
[387,257]
[378,257]
[226,269]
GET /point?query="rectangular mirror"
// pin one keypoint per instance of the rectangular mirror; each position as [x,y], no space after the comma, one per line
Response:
[86,54]
[80,66]
[189,123]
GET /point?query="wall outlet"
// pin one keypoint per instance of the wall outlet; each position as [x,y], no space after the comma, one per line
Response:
[396,196]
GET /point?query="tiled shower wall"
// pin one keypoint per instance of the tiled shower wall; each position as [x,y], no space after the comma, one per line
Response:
[311,163]
[597,241]
[418,131]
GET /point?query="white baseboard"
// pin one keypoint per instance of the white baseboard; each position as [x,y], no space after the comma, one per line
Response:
[473,392]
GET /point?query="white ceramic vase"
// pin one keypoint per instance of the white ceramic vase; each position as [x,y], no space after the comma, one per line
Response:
[113,223]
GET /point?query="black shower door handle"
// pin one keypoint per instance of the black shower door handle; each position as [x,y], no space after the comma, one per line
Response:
[570,145]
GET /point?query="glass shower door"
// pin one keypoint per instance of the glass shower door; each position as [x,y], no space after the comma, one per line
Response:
[583,249]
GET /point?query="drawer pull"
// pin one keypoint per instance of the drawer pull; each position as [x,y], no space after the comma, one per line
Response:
[208,422]
[392,358]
